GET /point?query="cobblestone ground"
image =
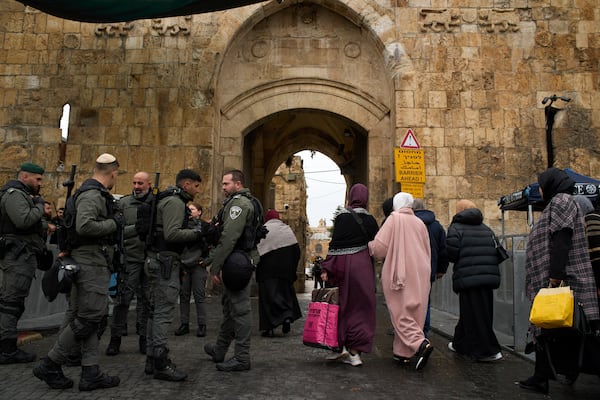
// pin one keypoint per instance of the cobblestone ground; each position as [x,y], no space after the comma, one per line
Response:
[283,368]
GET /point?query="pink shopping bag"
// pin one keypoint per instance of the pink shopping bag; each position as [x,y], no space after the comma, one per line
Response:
[320,328]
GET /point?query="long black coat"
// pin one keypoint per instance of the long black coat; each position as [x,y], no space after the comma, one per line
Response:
[471,247]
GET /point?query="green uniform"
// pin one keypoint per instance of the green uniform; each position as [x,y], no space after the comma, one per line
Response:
[135,282]
[22,232]
[162,268]
[96,228]
[237,213]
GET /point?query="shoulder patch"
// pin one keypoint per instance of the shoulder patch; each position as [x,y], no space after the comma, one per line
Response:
[235,212]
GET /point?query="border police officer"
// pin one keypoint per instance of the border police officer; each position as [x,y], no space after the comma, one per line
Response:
[235,219]
[163,267]
[135,280]
[96,224]
[21,240]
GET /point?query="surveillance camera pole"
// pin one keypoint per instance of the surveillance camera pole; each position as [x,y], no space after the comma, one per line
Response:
[550,113]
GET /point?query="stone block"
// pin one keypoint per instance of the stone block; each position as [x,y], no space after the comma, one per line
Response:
[411,117]
[437,99]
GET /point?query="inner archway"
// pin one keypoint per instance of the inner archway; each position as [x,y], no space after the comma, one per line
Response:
[275,138]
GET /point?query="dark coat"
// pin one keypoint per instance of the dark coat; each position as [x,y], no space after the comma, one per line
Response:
[437,241]
[471,247]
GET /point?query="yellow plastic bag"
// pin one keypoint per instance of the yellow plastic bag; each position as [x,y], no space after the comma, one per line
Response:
[553,308]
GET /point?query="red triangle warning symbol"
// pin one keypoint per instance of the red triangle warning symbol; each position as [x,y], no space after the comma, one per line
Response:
[410,141]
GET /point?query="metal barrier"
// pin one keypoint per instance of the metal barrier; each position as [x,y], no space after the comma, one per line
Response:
[39,313]
[511,307]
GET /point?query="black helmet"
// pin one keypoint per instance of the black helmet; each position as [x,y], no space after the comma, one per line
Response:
[237,270]
[60,277]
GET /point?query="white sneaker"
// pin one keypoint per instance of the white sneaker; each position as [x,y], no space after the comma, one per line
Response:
[338,356]
[451,347]
[353,359]
[495,357]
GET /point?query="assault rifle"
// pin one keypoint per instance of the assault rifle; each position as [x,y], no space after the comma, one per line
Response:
[61,229]
[150,238]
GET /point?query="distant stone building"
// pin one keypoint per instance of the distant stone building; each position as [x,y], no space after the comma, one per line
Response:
[318,242]
[249,87]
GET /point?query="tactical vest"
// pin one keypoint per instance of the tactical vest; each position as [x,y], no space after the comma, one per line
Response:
[69,239]
[159,243]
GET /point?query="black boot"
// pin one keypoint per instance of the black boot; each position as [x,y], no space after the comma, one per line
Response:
[182,330]
[149,367]
[201,331]
[51,373]
[114,347]
[164,369]
[142,344]
[92,378]
[10,354]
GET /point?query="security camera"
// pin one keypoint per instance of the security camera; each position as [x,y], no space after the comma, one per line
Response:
[286,206]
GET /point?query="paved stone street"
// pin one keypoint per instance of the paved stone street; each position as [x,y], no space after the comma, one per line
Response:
[283,368]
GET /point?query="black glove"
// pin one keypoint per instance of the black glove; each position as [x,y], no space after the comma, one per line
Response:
[38,200]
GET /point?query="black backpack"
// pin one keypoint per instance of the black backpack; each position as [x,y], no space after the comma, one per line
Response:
[67,236]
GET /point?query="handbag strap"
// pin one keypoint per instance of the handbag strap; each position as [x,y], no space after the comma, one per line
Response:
[359,221]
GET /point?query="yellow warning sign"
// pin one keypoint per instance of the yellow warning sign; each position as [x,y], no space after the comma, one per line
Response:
[416,189]
[409,165]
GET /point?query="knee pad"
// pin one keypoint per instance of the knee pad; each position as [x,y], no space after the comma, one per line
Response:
[14,308]
[83,328]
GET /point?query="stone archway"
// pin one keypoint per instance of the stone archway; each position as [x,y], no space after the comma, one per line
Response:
[305,77]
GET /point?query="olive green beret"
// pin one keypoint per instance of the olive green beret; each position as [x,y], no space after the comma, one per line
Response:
[31,167]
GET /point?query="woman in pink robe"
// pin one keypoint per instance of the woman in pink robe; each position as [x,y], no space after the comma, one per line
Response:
[403,242]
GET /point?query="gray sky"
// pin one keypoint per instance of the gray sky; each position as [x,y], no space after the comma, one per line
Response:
[325,187]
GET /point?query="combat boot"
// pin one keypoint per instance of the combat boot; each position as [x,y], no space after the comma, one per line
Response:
[10,354]
[114,347]
[51,373]
[164,369]
[92,378]
[149,367]
[142,344]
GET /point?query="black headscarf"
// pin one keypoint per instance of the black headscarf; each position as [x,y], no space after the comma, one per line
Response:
[554,181]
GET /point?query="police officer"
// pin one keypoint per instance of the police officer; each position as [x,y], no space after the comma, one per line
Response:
[235,218]
[163,267]
[135,282]
[96,224]
[21,240]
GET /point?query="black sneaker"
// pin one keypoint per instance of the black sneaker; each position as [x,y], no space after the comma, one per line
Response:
[233,364]
[92,378]
[183,329]
[211,350]
[535,384]
[423,354]
[286,326]
[52,374]
[17,357]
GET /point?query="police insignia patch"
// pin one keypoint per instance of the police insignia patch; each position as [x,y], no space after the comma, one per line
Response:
[234,212]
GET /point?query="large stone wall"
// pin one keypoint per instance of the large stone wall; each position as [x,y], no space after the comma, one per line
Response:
[467,76]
